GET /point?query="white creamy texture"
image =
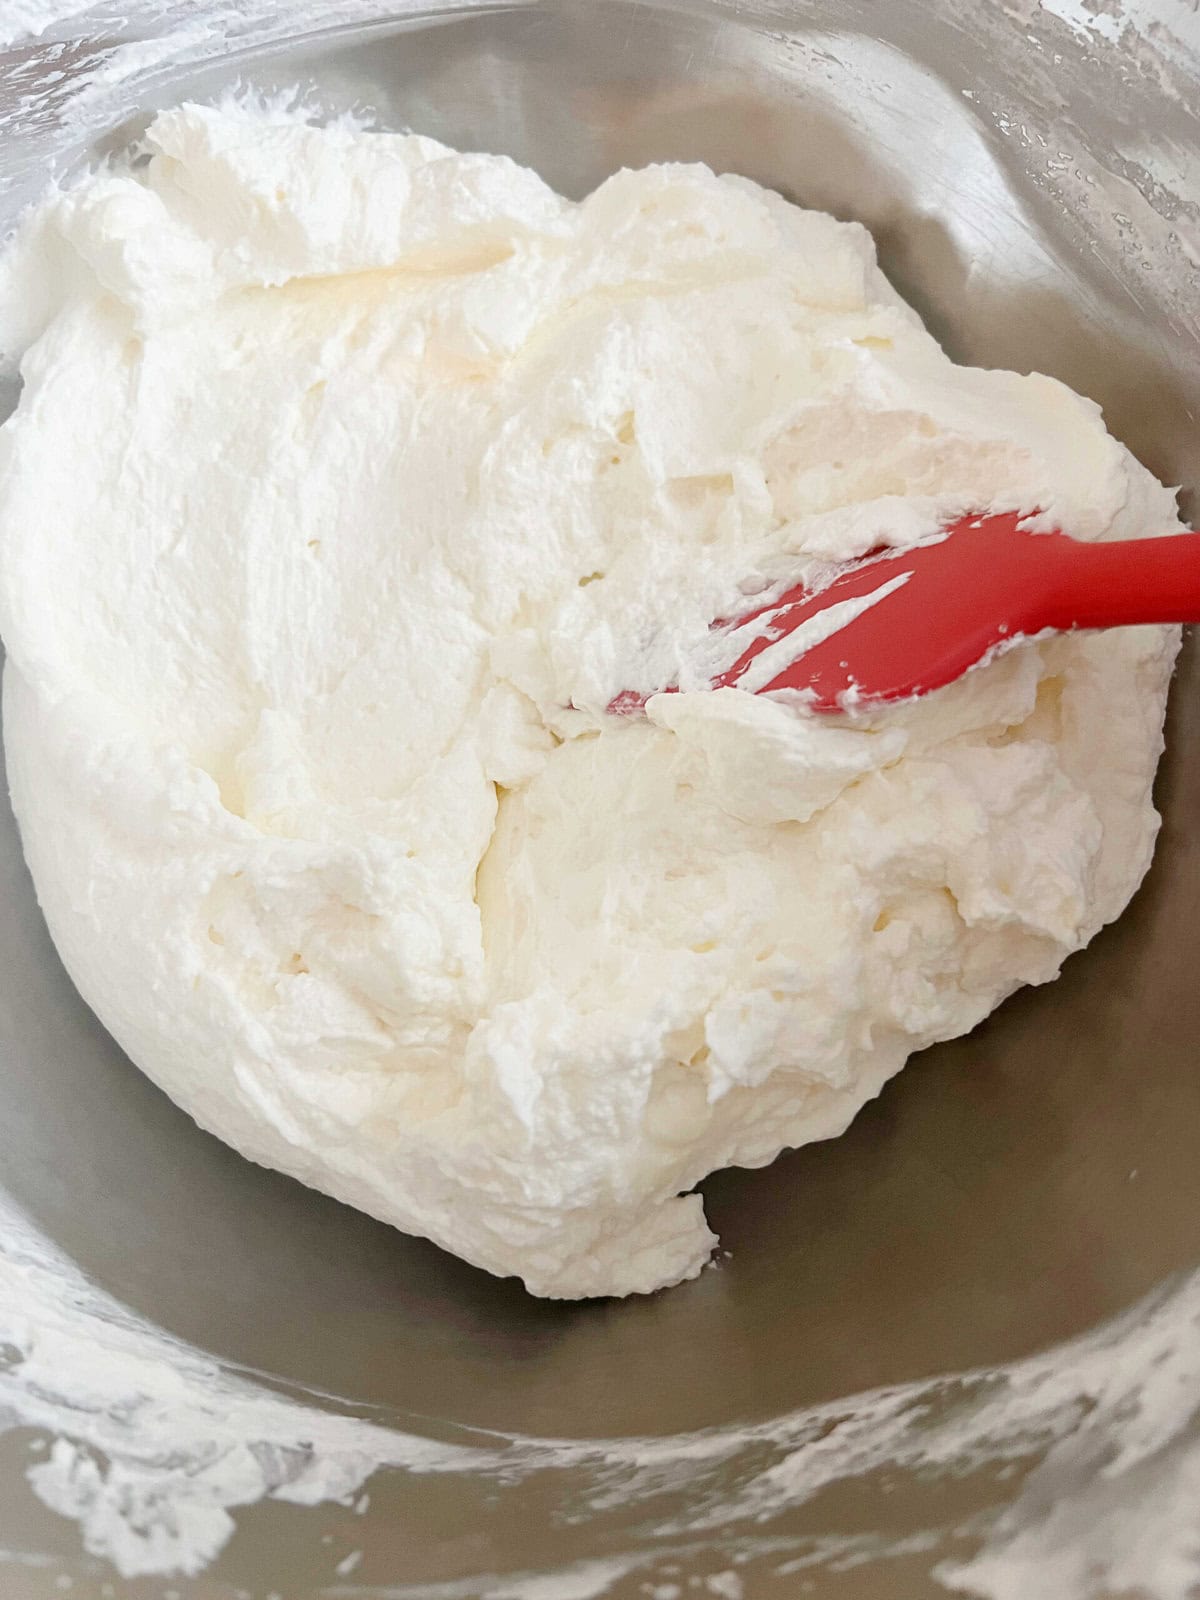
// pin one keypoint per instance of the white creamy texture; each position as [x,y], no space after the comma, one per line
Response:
[351,478]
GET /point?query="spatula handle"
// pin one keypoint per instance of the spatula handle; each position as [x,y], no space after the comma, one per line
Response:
[1115,585]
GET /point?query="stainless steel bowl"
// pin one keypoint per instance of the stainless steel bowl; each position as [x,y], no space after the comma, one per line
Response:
[1030,173]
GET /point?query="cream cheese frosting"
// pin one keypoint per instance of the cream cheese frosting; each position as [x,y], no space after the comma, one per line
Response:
[350,479]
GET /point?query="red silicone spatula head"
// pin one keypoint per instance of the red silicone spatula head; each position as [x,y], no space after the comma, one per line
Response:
[902,623]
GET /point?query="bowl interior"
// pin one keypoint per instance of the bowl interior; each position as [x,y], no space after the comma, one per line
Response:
[1008,1190]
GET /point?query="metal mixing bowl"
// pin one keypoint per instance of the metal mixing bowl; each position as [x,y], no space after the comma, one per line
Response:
[1030,175]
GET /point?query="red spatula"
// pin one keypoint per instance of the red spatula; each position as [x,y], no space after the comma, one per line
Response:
[938,608]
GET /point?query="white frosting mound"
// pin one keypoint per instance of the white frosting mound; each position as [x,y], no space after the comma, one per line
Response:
[351,478]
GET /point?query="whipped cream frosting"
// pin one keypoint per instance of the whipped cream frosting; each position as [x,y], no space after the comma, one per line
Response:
[351,478]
